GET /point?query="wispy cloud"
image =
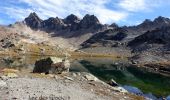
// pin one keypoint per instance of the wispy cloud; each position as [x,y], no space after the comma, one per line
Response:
[62,8]
[16,13]
[139,5]
[107,11]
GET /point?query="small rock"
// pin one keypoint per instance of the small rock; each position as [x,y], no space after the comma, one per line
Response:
[74,74]
[90,77]
[4,77]
[3,84]
[56,77]
[133,62]
[92,90]
[69,78]
[92,84]
[113,83]
[43,74]
[116,63]
[78,73]
[108,90]
[14,98]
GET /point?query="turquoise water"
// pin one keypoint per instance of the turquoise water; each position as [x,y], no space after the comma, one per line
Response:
[134,79]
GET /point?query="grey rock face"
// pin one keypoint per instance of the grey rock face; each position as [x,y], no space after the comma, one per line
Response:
[90,21]
[114,25]
[71,19]
[72,22]
[107,38]
[33,21]
[149,25]
[62,27]
[159,36]
[52,24]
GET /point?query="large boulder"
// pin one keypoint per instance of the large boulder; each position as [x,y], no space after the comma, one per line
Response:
[52,65]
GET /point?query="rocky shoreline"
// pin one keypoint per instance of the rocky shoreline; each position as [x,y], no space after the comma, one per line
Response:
[67,86]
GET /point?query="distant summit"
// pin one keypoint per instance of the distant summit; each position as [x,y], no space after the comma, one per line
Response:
[72,26]
[151,25]
[71,19]
[33,21]
[71,23]
[89,21]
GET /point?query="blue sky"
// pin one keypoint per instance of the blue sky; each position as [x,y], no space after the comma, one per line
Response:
[122,12]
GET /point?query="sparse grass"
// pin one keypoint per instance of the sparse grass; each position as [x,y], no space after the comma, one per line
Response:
[135,97]
[7,70]
[36,50]
[32,49]
[91,54]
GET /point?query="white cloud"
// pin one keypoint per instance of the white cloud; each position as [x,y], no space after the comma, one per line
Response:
[108,16]
[133,5]
[139,5]
[62,8]
[17,13]
[120,11]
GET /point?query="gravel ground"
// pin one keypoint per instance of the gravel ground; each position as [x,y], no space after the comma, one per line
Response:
[58,87]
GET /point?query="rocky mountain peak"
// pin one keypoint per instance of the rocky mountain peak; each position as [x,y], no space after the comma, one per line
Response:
[52,24]
[92,18]
[114,25]
[52,20]
[89,21]
[71,19]
[163,20]
[33,14]
[147,21]
[58,20]
[33,21]
[149,25]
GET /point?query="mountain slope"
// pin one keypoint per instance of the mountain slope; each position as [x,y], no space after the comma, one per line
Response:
[88,34]
[108,38]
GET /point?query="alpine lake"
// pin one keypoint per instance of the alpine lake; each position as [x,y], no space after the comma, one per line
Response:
[137,80]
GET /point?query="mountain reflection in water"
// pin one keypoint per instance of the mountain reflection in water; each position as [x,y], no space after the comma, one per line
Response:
[150,84]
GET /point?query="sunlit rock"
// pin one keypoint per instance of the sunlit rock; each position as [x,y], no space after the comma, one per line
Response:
[52,65]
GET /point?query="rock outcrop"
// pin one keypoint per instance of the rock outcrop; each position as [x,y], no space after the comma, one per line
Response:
[51,65]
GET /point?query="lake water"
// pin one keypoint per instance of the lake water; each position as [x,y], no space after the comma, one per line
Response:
[140,81]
